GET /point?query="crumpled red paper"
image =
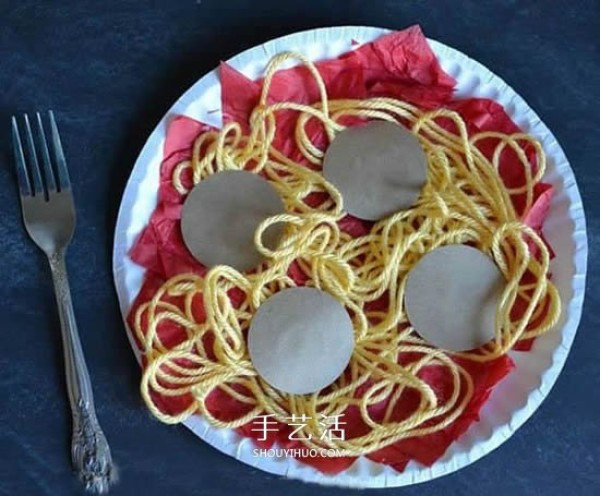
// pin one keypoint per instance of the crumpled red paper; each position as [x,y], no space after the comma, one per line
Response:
[400,65]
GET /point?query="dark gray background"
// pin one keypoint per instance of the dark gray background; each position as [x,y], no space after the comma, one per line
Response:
[110,70]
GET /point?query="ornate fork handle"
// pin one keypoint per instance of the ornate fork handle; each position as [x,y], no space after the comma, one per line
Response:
[89,450]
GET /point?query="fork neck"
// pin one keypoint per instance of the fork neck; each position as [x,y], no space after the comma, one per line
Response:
[58,268]
[56,259]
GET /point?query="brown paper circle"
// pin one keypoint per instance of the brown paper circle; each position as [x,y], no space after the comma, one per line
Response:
[451,297]
[379,168]
[300,340]
[221,214]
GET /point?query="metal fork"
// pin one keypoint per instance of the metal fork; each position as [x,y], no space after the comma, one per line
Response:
[49,217]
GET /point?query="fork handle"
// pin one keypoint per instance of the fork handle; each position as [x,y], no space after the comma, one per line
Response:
[90,453]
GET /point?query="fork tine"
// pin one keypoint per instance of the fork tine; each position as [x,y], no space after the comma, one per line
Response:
[36,176]
[22,176]
[61,164]
[48,174]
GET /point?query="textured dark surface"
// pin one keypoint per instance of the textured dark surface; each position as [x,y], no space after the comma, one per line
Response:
[111,69]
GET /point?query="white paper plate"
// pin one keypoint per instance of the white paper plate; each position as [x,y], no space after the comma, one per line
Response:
[515,399]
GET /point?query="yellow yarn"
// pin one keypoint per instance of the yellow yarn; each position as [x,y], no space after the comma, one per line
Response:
[464,201]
